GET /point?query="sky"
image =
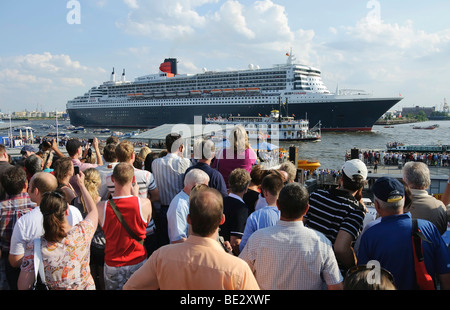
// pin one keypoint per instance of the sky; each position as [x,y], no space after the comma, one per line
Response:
[54,50]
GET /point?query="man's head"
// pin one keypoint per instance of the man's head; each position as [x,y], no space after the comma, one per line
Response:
[293,201]
[109,153]
[194,177]
[354,175]
[204,150]
[14,180]
[272,183]
[416,175]
[28,150]
[173,142]
[389,195]
[205,211]
[123,174]
[74,147]
[239,180]
[3,153]
[113,139]
[291,170]
[125,152]
[40,183]
[33,164]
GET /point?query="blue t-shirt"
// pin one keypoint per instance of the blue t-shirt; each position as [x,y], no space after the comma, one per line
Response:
[265,217]
[390,243]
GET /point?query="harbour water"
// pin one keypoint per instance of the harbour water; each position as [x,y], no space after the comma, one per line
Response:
[330,151]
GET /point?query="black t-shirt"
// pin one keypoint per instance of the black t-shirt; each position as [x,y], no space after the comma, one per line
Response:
[250,199]
[236,213]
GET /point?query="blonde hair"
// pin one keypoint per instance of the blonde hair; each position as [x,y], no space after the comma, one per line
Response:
[239,139]
[124,151]
[93,182]
[144,152]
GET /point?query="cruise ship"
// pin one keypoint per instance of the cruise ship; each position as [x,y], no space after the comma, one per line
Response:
[168,97]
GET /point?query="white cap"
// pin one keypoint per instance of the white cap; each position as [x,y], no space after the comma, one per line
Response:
[355,167]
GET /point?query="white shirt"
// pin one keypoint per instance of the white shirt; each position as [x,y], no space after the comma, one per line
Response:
[30,227]
[104,171]
[260,203]
[289,256]
[168,172]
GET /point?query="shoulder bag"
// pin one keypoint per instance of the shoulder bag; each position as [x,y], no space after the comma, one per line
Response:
[124,224]
[424,280]
[39,273]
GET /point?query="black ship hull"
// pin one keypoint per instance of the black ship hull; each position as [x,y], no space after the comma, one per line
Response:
[337,115]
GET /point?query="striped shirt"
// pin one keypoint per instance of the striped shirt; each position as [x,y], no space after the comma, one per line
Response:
[144,179]
[333,210]
[169,173]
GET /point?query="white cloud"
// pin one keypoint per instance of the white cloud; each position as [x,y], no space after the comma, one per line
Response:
[163,19]
[388,58]
[234,31]
[132,4]
[44,77]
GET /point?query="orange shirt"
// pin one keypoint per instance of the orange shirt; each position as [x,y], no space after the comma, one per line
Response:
[196,264]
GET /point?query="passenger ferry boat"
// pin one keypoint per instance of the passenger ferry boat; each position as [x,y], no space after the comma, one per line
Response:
[401,147]
[171,98]
[274,127]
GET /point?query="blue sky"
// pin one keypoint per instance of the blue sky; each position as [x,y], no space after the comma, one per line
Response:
[385,47]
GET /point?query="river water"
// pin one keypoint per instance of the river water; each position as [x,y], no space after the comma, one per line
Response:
[330,151]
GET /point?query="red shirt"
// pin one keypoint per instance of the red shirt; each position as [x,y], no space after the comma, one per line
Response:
[120,248]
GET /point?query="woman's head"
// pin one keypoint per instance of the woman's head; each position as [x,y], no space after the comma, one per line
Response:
[239,139]
[93,182]
[63,168]
[54,207]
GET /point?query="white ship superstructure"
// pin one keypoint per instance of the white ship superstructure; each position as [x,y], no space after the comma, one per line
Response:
[169,97]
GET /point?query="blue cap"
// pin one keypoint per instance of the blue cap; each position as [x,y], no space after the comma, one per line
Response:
[388,189]
[28,148]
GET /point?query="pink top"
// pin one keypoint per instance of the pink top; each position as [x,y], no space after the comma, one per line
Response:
[227,161]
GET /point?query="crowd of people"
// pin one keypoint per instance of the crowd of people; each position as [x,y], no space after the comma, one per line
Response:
[110,218]
[390,158]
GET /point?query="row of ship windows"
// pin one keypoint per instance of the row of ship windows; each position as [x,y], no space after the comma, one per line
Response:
[188,102]
[196,86]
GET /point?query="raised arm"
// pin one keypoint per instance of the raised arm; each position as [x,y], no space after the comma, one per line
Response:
[90,205]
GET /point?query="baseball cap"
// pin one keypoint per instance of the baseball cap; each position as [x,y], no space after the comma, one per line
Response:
[388,189]
[72,146]
[28,148]
[355,167]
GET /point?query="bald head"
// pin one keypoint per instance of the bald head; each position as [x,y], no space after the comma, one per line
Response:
[205,211]
[40,183]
